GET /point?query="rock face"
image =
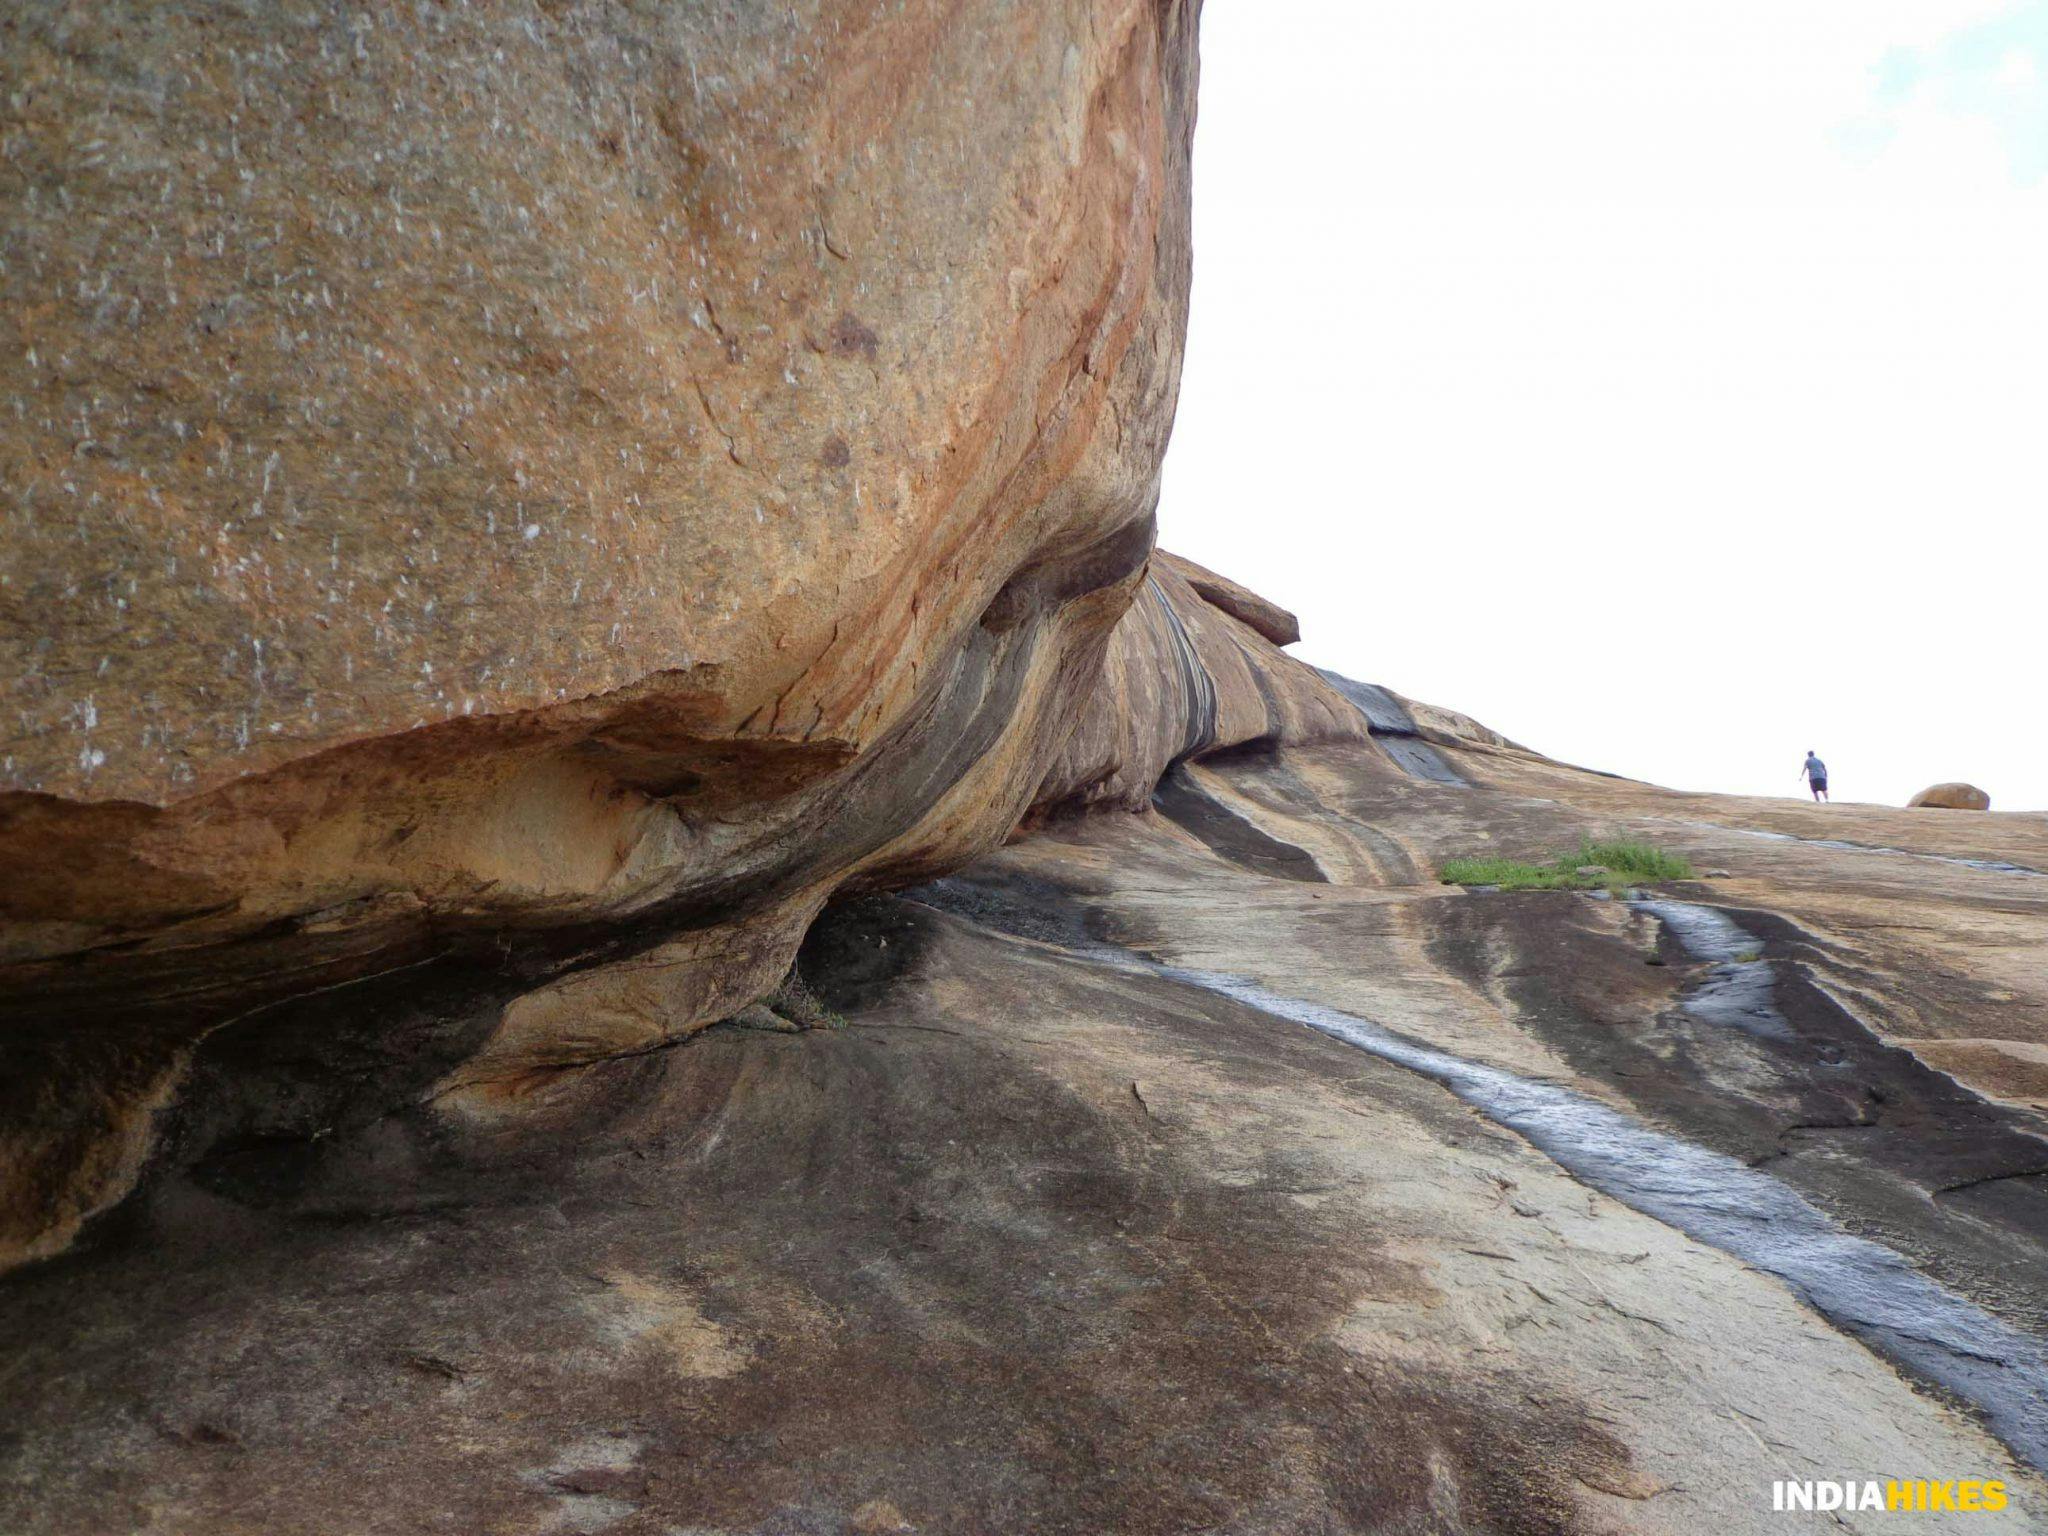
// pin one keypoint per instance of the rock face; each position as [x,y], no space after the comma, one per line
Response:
[1186,675]
[724,368]
[1950,797]
[498,491]
[560,498]
[525,519]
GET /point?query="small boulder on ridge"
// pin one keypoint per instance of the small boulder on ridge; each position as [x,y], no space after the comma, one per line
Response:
[1950,797]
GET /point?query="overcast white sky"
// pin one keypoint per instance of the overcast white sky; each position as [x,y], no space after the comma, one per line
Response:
[1665,385]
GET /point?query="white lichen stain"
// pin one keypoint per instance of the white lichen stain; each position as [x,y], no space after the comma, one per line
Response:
[641,1312]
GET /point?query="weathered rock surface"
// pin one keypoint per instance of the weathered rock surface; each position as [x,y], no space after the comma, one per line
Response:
[491,1027]
[377,372]
[497,491]
[513,512]
[1185,676]
[1951,797]
[1037,1242]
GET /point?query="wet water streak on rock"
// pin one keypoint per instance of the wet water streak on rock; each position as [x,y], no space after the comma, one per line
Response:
[1738,991]
[1859,1285]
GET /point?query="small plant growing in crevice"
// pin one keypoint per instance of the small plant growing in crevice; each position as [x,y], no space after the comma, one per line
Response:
[795,1001]
[790,1009]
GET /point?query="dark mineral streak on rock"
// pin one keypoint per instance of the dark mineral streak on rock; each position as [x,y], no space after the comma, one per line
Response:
[1229,835]
[1394,729]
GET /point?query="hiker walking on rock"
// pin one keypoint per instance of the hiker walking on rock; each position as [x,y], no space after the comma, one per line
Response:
[1816,774]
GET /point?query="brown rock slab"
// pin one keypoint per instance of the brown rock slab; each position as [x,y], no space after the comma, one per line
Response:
[2015,1071]
[1240,602]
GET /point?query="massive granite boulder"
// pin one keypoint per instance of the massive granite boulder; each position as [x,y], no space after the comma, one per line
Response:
[509,509]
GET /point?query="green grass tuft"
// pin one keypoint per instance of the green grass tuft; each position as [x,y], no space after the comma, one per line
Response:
[1626,864]
[1638,859]
[1508,874]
